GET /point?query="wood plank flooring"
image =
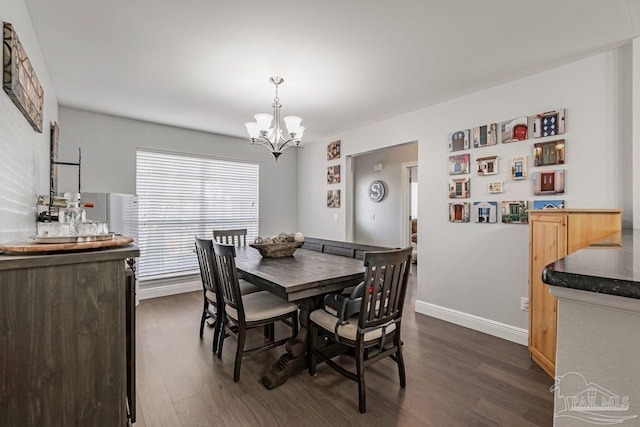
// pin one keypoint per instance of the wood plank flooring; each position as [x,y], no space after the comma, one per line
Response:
[455,377]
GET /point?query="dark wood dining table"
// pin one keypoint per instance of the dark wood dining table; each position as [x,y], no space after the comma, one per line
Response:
[303,278]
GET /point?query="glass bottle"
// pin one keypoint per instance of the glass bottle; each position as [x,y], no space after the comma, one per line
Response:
[73,214]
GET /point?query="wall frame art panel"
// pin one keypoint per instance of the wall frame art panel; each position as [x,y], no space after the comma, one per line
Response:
[514,130]
[548,153]
[548,182]
[459,140]
[333,174]
[486,135]
[519,168]
[459,164]
[487,165]
[496,187]
[548,124]
[548,204]
[333,150]
[515,212]
[459,188]
[459,212]
[485,212]
[19,79]
[333,198]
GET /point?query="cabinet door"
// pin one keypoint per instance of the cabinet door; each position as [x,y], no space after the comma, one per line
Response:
[548,242]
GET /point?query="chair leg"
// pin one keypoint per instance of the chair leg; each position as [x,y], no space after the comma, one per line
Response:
[400,361]
[204,317]
[222,333]
[216,334]
[270,332]
[362,393]
[239,353]
[311,357]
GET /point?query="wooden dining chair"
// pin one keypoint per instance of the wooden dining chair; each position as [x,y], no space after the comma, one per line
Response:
[208,274]
[236,237]
[248,311]
[374,333]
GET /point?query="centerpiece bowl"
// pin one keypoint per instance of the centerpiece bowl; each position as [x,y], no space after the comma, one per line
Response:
[276,250]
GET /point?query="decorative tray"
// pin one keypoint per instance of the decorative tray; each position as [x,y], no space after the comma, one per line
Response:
[74,239]
[276,250]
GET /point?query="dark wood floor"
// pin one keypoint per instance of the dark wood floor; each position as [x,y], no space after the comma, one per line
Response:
[455,377]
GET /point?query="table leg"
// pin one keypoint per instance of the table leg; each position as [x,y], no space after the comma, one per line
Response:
[295,359]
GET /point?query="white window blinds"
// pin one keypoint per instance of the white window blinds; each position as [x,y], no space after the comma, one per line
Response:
[183,196]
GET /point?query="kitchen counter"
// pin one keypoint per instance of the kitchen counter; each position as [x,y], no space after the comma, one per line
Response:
[609,266]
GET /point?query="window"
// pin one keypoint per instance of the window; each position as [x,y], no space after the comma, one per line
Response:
[182,196]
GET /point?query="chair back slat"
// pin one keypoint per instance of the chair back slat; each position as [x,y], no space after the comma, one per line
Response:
[236,237]
[386,276]
[204,250]
[228,277]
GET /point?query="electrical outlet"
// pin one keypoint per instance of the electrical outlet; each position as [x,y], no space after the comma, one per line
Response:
[524,303]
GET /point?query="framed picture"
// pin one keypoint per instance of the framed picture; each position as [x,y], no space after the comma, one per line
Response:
[519,168]
[514,130]
[485,135]
[515,212]
[496,187]
[487,165]
[548,153]
[548,204]
[459,212]
[548,182]
[459,140]
[548,124]
[485,212]
[53,157]
[459,188]
[19,80]
[333,198]
[333,150]
[333,174]
[459,164]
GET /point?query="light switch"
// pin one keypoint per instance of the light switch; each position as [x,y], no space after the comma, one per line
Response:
[336,217]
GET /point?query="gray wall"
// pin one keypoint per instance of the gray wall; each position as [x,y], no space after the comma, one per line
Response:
[381,223]
[109,145]
[24,153]
[476,273]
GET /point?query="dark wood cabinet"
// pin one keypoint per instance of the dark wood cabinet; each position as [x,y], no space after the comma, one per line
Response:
[63,339]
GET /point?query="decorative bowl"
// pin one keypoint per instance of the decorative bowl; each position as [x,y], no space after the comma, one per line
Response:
[276,250]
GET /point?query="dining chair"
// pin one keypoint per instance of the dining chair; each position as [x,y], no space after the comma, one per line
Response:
[235,237]
[204,250]
[373,333]
[248,311]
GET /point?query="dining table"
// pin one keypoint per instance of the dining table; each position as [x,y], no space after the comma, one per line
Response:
[305,278]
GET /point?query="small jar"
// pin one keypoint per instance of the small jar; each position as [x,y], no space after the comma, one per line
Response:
[73,214]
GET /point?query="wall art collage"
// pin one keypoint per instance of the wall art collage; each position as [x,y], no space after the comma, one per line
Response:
[333,174]
[487,167]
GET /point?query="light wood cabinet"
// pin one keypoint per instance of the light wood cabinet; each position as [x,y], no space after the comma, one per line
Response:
[553,234]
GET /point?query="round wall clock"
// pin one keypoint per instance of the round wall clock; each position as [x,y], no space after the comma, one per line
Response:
[376,191]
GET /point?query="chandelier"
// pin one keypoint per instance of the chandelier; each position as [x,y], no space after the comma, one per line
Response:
[261,132]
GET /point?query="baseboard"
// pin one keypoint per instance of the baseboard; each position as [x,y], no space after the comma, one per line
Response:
[477,323]
[171,289]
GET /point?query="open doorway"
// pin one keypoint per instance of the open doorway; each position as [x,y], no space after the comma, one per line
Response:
[410,206]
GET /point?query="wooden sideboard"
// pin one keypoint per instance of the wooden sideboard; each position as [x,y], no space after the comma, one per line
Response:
[64,339]
[553,234]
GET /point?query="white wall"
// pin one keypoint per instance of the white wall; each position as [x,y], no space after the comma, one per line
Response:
[24,153]
[635,135]
[109,146]
[381,223]
[481,270]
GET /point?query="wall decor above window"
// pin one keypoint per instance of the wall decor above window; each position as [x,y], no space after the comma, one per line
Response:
[459,140]
[19,80]
[514,130]
[548,153]
[548,124]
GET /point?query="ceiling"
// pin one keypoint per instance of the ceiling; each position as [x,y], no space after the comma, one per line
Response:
[205,64]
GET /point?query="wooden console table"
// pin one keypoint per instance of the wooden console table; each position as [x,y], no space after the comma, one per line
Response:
[63,339]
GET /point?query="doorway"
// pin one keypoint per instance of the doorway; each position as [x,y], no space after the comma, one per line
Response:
[410,204]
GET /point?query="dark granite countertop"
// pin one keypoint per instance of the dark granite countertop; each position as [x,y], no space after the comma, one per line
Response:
[604,267]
